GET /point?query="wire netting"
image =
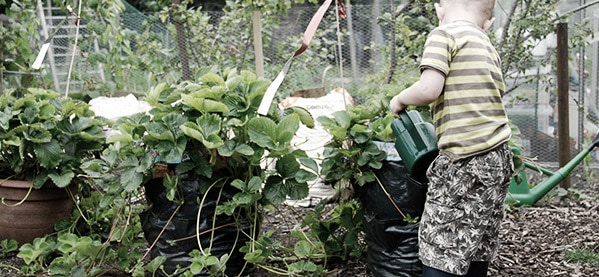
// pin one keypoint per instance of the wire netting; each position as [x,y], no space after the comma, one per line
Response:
[349,52]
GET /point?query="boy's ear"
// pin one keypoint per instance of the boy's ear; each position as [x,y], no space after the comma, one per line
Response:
[487,24]
[440,11]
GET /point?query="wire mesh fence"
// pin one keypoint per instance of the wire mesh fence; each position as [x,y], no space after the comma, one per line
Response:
[351,52]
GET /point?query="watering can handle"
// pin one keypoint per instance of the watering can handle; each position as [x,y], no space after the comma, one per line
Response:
[414,132]
[595,142]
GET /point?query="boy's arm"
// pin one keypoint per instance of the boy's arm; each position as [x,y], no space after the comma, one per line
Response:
[421,93]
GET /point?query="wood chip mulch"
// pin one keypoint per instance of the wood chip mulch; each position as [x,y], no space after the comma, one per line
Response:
[539,240]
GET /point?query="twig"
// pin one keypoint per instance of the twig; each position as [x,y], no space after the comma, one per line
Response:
[389,196]
[161,232]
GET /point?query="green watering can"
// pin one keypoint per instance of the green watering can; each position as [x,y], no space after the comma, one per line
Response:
[416,143]
[520,192]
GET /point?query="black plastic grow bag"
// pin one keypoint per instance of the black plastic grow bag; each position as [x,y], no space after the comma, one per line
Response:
[392,242]
[179,235]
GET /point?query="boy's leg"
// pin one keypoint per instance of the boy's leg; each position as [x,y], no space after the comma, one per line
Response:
[432,272]
[463,210]
[478,269]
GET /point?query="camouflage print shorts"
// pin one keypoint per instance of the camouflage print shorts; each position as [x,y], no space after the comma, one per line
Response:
[464,209]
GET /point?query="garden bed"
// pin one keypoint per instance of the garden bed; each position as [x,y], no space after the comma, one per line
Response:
[536,241]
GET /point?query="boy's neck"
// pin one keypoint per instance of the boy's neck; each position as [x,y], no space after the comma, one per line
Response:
[469,17]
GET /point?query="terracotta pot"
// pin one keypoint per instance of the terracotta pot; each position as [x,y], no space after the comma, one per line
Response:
[36,215]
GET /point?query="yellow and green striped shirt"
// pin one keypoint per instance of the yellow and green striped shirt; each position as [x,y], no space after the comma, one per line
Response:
[469,116]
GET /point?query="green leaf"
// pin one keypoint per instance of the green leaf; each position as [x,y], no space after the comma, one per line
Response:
[262,131]
[243,198]
[361,133]
[214,93]
[255,257]
[274,191]
[67,242]
[159,131]
[154,93]
[287,166]
[172,152]
[210,124]
[255,184]
[212,80]
[343,119]
[61,266]
[365,177]
[131,179]
[36,133]
[296,190]
[302,249]
[304,115]
[227,149]
[238,184]
[336,126]
[63,180]
[30,252]
[8,245]
[206,130]
[303,266]
[204,105]
[46,110]
[200,261]
[155,263]
[170,184]
[286,129]
[309,163]
[303,176]
[244,149]
[230,147]
[5,116]
[49,154]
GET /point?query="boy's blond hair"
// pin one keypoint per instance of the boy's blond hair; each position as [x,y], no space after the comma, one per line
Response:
[486,7]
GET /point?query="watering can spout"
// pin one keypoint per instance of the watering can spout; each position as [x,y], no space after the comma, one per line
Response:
[519,194]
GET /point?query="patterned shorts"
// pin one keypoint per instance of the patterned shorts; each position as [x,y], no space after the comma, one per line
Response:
[464,209]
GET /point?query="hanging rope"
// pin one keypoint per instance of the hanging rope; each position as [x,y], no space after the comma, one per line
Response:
[339,48]
[340,55]
[66,93]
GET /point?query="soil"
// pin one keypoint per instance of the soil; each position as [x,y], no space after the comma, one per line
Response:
[535,241]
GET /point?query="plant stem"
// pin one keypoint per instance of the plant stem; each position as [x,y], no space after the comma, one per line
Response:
[389,196]
[161,232]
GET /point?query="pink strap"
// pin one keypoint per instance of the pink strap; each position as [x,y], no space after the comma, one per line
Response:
[313,25]
[308,34]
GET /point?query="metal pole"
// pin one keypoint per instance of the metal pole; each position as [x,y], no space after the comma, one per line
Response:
[3,18]
[595,70]
[352,43]
[563,84]
[258,53]
[581,88]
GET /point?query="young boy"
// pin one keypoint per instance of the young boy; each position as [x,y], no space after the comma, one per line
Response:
[461,80]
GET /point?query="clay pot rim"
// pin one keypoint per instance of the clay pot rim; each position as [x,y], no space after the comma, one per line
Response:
[9,183]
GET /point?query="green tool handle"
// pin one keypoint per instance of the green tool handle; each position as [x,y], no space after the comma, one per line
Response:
[412,129]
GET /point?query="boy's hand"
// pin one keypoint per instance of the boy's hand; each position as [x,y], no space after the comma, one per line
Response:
[396,106]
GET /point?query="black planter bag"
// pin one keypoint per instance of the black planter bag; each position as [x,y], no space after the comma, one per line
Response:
[182,227]
[392,242]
